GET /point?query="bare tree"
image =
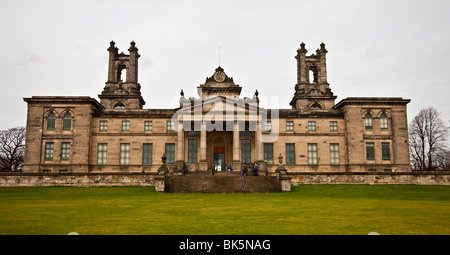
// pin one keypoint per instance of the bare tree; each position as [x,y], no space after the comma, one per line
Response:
[427,140]
[12,147]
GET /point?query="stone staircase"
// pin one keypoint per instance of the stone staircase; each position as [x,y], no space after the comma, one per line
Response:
[221,182]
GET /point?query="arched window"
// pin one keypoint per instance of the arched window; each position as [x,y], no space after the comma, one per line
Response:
[119,106]
[51,121]
[368,123]
[67,121]
[122,73]
[383,122]
[315,106]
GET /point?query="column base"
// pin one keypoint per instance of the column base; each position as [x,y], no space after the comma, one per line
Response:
[179,167]
[236,165]
[203,165]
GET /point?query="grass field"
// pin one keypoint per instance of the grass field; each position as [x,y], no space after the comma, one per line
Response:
[307,210]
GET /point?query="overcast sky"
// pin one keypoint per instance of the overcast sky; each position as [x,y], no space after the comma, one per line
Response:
[375,48]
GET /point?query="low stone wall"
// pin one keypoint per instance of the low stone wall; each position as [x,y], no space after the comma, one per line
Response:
[418,178]
[76,179]
[153,179]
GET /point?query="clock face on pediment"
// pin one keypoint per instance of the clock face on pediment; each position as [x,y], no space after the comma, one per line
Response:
[219,76]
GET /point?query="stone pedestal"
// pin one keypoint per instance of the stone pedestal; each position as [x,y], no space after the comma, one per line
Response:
[160,183]
[285,183]
[203,165]
[236,166]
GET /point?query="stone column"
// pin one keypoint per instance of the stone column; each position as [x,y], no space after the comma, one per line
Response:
[203,165]
[258,143]
[179,160]
[236,144]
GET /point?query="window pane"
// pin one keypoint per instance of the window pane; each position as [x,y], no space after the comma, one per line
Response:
[125,125]
[385,151]
[289,126]
[311,126]
[368,122]
[124,153]
[290,154]
[170,153]
[51,121]
[312,153]
[102,150]
[383,122]
[268,153]
[148,126]
[49,151]
[334,154]
[67,123]
[246,150]
[103,126]
[65,151]
[267,126]
[333,126]
[147,154]
[192,150]
[170,125]
[370,151]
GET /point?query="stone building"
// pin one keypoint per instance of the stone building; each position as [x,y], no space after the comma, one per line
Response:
[219,129]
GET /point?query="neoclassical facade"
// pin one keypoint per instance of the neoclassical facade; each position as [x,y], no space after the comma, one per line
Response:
[218,129]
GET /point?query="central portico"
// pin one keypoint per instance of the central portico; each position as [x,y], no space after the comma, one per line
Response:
[225,128]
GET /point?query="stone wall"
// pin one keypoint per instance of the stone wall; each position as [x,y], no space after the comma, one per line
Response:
[76,179]
[152,179]
[420,178]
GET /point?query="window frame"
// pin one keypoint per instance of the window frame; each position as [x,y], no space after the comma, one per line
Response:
[170,153]
[103,125]
[246,151]
[333,126]
[192,151]
[124,158]
[65,151]
[49,150]
[370,151]
[148,125]
[312,125]
[368,122]
[51,121]
[290,153]
[170,125]
[289,126]
[268,153]
[334,154]
[384,122]
[147,154]
[312,154]
[67,121]
[386,151]
[126,125]
[102,154]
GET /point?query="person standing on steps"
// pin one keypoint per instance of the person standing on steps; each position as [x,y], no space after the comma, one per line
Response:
[244,171]
[255,169]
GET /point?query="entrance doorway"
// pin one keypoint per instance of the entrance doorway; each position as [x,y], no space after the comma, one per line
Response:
[219,159]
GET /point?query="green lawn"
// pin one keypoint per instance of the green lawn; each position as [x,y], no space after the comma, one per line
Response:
[307,210]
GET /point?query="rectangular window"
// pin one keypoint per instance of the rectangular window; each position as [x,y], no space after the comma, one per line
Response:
[385,151]
[49,151]
[103,125]
[65,151]
[246,151]
[289,126]
[124,153]
[268,153]
[125,125]
[267,126]
[192,150]
[370,151]
[148,125]
[312,154]
[311,126]
[333,126]
[170,153]
[147,152]
[290,154]
[102,149]
[170,125]
[334,153]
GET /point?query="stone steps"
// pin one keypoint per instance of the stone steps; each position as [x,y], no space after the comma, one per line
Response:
[221,182]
